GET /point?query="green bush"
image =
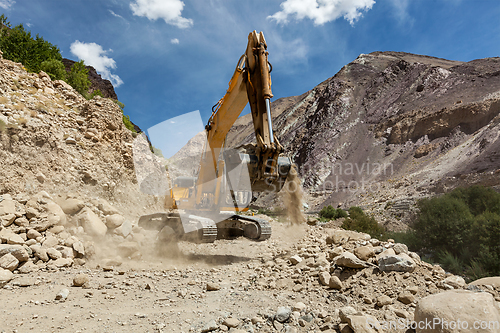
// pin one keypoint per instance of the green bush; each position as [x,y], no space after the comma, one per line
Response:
[330,213]
[128,124]
[96,92]
[461,230]
[359,221]
[78,78]
[55,68]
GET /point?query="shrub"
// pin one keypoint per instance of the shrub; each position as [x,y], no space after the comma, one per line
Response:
[96,92]
[443,223]
[128,124]
[78,78]
[359,221]
[330,213]
[55,69]
[461,230]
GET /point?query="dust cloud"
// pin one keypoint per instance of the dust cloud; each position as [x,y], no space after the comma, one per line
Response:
[292,198]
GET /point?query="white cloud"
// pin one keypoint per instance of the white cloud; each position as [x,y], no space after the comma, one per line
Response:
[174,41]
[115,14]
[168,10]
[322,11]
[6,4]
[94,55]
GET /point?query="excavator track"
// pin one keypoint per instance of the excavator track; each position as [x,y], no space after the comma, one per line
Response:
[206,229]
[183,227]
[249,227]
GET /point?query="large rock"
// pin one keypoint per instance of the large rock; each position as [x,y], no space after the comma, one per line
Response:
[7,206]
[347,259]
[40,252]
[15,239]
[362,323]
[9,262]
[71,205]
[114,221]
[364,252]
[337,237]
[324,278]
[54,209]
[458,311]
[398,263]
[5,276]
[106,208]
[455,281]
[493,281]
[91,223]
[17,251]
[124,230]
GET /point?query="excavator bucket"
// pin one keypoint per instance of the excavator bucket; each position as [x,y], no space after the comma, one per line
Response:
[242,171]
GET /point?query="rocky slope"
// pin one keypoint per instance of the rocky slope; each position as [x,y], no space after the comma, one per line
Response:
[392,127]
[96,81]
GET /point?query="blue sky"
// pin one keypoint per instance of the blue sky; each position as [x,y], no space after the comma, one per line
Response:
[170,57]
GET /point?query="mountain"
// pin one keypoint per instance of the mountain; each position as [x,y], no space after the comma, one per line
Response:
[389,128]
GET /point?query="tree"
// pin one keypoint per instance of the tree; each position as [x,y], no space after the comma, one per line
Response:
[18,45]
[78,78]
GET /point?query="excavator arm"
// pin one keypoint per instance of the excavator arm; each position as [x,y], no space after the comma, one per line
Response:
[250,83]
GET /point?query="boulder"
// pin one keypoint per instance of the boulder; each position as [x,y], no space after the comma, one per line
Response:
[17,251]
[40,252]
[15,239]
[493,281]
[9,262]
[455,281]
[5,276]
[124,230]
[231,322]
[50,241]
[91,223]
[283,314]
[53,253]
[364,252]
[54,209]
[458,311]
[398,263]
[106,208]
[7,220]
[7,206]
[335,282]
[71,205]
[337,237]
[324,278]
[362,323]
[347,259]
[114,221]
[400,248]
[294,260]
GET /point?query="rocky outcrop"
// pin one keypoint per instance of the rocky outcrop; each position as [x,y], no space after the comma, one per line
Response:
[96,81]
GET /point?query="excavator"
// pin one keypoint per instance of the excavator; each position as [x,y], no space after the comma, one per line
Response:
[209,206]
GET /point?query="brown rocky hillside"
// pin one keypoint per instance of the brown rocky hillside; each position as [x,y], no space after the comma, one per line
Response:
[391,127]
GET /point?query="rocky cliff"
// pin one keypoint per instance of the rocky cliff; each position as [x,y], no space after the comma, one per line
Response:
[96,81]
[391,127]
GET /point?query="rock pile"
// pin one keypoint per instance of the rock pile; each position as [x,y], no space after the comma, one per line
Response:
[50,233]
[367,285]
